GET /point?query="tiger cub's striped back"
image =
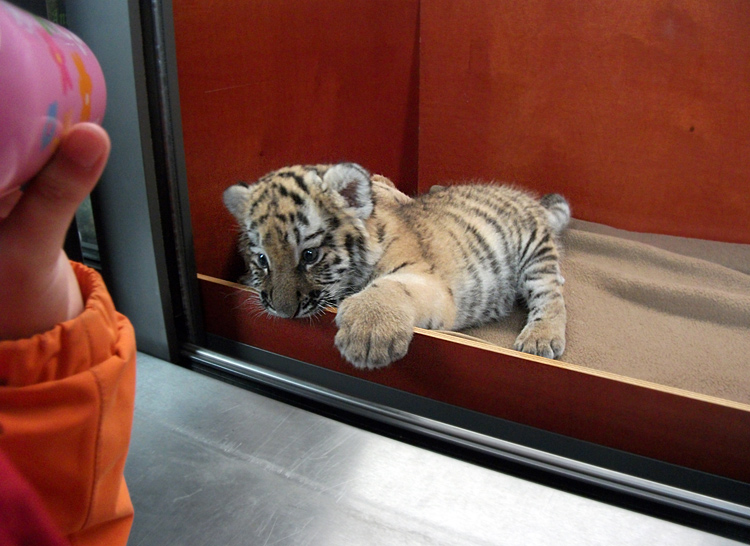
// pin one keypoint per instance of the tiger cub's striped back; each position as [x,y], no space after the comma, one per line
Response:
[455,257]
[487,240]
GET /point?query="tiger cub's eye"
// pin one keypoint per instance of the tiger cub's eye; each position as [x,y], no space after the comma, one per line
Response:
[262,261]
[310,256]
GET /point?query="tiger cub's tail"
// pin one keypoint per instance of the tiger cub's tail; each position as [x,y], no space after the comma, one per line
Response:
[558,211]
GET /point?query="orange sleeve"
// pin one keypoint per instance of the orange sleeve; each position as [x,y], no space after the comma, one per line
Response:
[66,411]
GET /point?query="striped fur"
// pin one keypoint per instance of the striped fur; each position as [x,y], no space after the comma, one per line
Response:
[455,257]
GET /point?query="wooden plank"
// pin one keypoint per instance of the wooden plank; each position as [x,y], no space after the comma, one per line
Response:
[666,424]
[636,111]
[267,84]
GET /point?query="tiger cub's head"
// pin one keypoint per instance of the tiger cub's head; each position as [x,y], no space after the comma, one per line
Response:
[303,235]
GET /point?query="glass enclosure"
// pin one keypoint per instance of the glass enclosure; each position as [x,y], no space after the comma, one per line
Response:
[629,109]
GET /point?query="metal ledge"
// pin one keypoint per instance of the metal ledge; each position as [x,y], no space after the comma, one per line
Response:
[611,480]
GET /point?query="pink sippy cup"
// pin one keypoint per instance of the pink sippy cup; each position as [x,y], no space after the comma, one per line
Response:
[49,80]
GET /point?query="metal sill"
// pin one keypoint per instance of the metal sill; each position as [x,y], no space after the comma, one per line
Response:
[617,482]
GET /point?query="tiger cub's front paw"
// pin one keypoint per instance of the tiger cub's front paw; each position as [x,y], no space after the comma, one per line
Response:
[543,338]
[372,334]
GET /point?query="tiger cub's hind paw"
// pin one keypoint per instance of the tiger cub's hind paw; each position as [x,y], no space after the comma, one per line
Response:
[542,338]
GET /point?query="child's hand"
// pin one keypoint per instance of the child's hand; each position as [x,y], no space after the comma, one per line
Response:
[38,288]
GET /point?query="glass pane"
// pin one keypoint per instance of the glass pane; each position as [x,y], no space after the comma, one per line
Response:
[434,100]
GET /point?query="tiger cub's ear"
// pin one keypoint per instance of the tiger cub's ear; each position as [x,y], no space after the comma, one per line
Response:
[352,182]
[235,199]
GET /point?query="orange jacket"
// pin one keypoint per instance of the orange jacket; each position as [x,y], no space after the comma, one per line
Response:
[66,410]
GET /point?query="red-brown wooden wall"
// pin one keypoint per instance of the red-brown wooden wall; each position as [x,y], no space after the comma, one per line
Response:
[638,111]
[266,84]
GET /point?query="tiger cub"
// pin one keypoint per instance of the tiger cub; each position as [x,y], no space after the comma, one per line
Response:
[319,235]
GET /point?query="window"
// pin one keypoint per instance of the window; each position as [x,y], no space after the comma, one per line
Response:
[233,95]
